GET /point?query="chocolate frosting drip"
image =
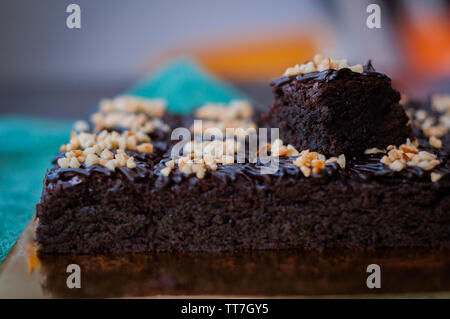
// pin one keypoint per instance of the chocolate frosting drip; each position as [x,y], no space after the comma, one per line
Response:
[365,168]
[327,75]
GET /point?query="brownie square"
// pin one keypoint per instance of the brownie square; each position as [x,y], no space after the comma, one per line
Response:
[338,111]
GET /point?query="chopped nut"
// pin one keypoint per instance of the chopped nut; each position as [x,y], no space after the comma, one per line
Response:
[81,126]
[91,159]
[292,151]
[408,154]
[121,158]
[77,153]
[441,103]
[305,170]
[142,137]
[186,168]
[421,115]
[341,161]
[435,177]
[111,165]
[74,163]
[428,165]
[63,162]
[133,113]
[435,142]
[170,164]
[437,130]
[373,150]
[131,163]
[408,149]
[145,148]
[236,109]
[313,155]
[332,159]
[385,160]
[321,63]
[166,171]
[318,164]
[201,172]
[312,161]
[396,166]
[107,154]
[357,68]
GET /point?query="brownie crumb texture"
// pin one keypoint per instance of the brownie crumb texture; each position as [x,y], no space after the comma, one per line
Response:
[336,109]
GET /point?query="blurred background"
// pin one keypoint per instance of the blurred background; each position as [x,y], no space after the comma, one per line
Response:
[49,70]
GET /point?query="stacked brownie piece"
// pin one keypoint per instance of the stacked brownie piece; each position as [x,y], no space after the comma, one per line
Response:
[336,111]
[352,171]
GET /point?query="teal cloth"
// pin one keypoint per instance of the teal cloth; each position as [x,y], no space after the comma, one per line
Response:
[28,144]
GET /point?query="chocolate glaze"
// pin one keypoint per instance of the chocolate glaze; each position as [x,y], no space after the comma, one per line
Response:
[327,75]
[365,167]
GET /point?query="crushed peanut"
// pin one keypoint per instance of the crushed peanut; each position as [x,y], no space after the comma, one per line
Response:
[278,149]
[430,125]
[198,156]
[314,162]
[435,142]
[435,176]
[96,143]
[321,63]
[132,104]
[236,109]
[408,154]
[145,148]
[92,149]
[236,115]
[441,103]
[140,115]
[81,126]
[374,150]
[63,162]
[166,171]
[91,159]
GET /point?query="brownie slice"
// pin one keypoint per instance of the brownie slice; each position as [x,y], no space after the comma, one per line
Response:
[338,111]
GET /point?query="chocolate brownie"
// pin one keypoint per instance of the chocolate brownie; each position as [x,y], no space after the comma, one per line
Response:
[116,192]
[234,207]
[338,111]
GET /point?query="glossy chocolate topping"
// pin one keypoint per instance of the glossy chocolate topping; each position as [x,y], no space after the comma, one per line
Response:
[327,75]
